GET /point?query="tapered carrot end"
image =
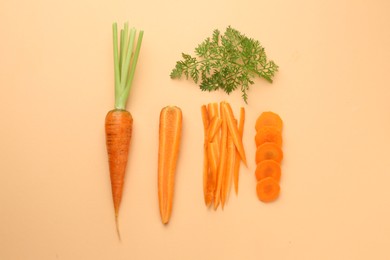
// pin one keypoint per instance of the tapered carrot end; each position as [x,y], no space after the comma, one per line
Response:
[117,228]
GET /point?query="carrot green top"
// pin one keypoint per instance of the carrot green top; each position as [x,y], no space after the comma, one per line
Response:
[125,61]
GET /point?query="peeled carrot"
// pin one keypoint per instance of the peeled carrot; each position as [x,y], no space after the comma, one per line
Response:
[267,189]
[168,151]
[268,168]
[269,151]
[269,119]
[119,122]
[268,134]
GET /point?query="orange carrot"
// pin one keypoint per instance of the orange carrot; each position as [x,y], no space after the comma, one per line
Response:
[269,151]
[168,151]
[269,119]
[222,160]
[268,168]
[215,125]
[267,189]
[118,128]
[234,131]
[119,122]
[227,178]
[237,161]
[207,176]
[213,158]
[268,134]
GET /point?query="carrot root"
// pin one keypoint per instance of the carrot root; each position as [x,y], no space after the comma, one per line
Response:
[118,130]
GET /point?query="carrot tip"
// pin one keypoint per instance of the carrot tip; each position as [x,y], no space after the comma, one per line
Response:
[117,228]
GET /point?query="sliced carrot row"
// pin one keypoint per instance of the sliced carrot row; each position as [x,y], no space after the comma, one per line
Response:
[223,152]
[269,155]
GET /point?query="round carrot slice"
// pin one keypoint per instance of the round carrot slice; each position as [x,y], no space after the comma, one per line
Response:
[267,189]
[268,134]
[268,168]
[269,119]
[269,151]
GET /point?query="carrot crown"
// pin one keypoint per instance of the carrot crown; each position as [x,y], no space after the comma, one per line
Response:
[125,61]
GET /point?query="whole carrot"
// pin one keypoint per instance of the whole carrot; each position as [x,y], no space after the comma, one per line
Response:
[168,151]
[119,122]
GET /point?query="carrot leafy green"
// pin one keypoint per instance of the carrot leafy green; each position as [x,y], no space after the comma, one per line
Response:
[226,62]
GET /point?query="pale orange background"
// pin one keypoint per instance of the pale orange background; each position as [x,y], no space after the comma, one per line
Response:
[332,91]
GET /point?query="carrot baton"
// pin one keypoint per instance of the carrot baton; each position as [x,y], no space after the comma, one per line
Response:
[207,175]
[119,122]
[222,160]
[234,131]
[236,173]
[168,151]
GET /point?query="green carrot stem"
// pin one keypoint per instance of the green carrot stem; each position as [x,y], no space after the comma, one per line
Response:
[116,61]
[125,62]
[133,65]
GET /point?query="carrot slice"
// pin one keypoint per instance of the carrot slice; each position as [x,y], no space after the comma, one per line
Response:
[234,131]
[268,134]
[268,168]
[269,151]
[269,119]
[236,172]
[267,189]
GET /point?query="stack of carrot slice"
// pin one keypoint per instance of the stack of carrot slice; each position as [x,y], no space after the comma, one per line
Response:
[223,151]
[269,155]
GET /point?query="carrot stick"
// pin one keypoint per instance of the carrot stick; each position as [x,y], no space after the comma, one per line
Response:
[212,108]
[234,131]
[119,122]
[207,177]
[222,161]
[213,158]
[230,161]
[237,160]
[168,151]
[215,125]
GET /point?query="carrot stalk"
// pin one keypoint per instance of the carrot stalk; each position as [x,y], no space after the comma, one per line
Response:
[234,131]
[168,151]
[236,171]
